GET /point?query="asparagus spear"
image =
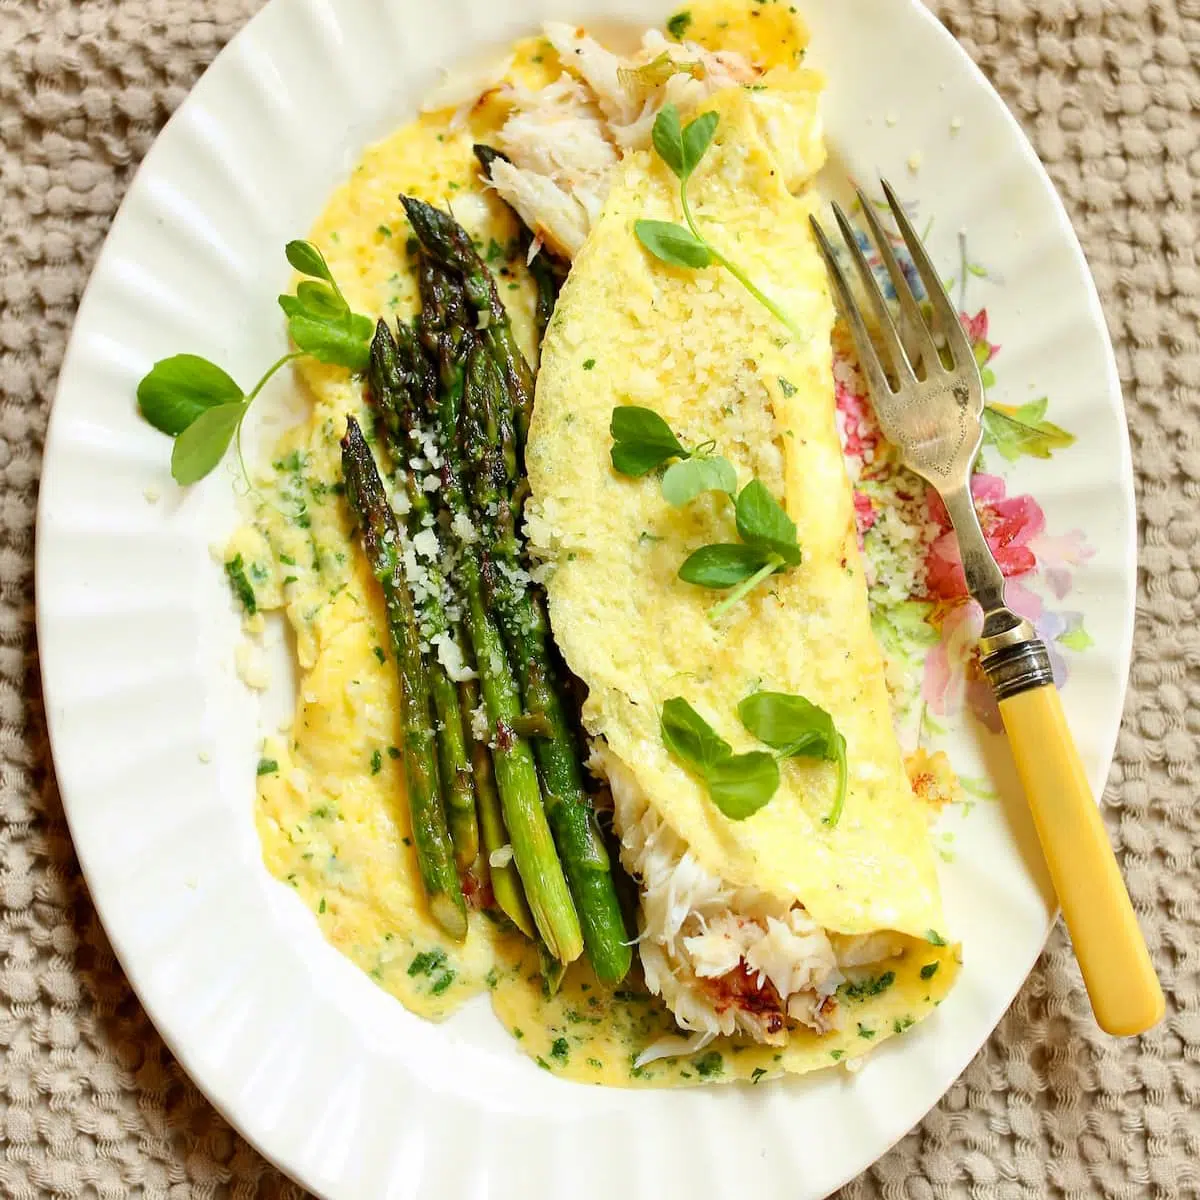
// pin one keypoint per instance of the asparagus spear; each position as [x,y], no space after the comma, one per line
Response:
[449,245]
[526,629]
[552,971]
[445,335]
[506,880]
[387,376]
[381,541]
[548,270]
[492,404]
[411,365]
[537,862]
[488,409]
[516,778]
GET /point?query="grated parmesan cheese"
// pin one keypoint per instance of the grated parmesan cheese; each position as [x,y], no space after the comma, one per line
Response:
[450,655]
[480,729]
[463,529]
[426,545]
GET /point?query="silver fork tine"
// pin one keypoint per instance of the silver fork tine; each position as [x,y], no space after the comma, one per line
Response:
[912,323]
[887,326]
[868,360]
[947,318]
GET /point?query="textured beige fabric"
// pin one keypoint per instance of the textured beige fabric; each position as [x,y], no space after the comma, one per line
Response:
[91,1102]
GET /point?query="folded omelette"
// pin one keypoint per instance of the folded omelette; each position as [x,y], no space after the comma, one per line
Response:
[778,927]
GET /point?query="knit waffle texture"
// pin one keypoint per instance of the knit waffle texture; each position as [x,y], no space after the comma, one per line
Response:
[92,1104]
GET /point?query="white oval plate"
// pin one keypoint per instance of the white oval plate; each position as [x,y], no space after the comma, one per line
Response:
[155,741]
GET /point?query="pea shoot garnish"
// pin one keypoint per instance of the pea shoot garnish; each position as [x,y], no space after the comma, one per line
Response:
[682,147]
[740,784]
[768,545]
[796,728]
[643,441]
[202,407]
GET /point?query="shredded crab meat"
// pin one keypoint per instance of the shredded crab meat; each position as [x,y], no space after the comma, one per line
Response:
[564,140]
[556,216]
[726,960]
[559,132]
[615,83]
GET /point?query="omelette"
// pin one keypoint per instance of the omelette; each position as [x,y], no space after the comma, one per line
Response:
[747,925]
[771,944]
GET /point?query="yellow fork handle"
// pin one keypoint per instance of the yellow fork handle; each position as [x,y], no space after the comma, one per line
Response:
[1124,990]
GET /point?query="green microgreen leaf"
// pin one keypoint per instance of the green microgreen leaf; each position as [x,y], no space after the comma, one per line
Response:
[308,260]
[320,300]
[344,342]
[291,305]
[642,440]
[690,737]
[686,480]
[697,137]
[796,728]
[790,724]
[738,784]
[761,521]
[319,319]
[630,422]
[682,149]
[741,785]
[673,244]
[178,389]
[202,407]
[667,136]
[722,565]
[203,443]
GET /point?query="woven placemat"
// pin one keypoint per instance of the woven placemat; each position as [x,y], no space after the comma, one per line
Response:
[92,1103]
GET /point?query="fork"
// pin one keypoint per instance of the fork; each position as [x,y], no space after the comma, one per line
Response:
[930,405]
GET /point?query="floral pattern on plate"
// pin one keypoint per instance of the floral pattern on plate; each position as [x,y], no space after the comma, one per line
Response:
[924,619]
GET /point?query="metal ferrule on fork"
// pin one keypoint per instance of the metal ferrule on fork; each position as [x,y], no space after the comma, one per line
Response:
[1014,666]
